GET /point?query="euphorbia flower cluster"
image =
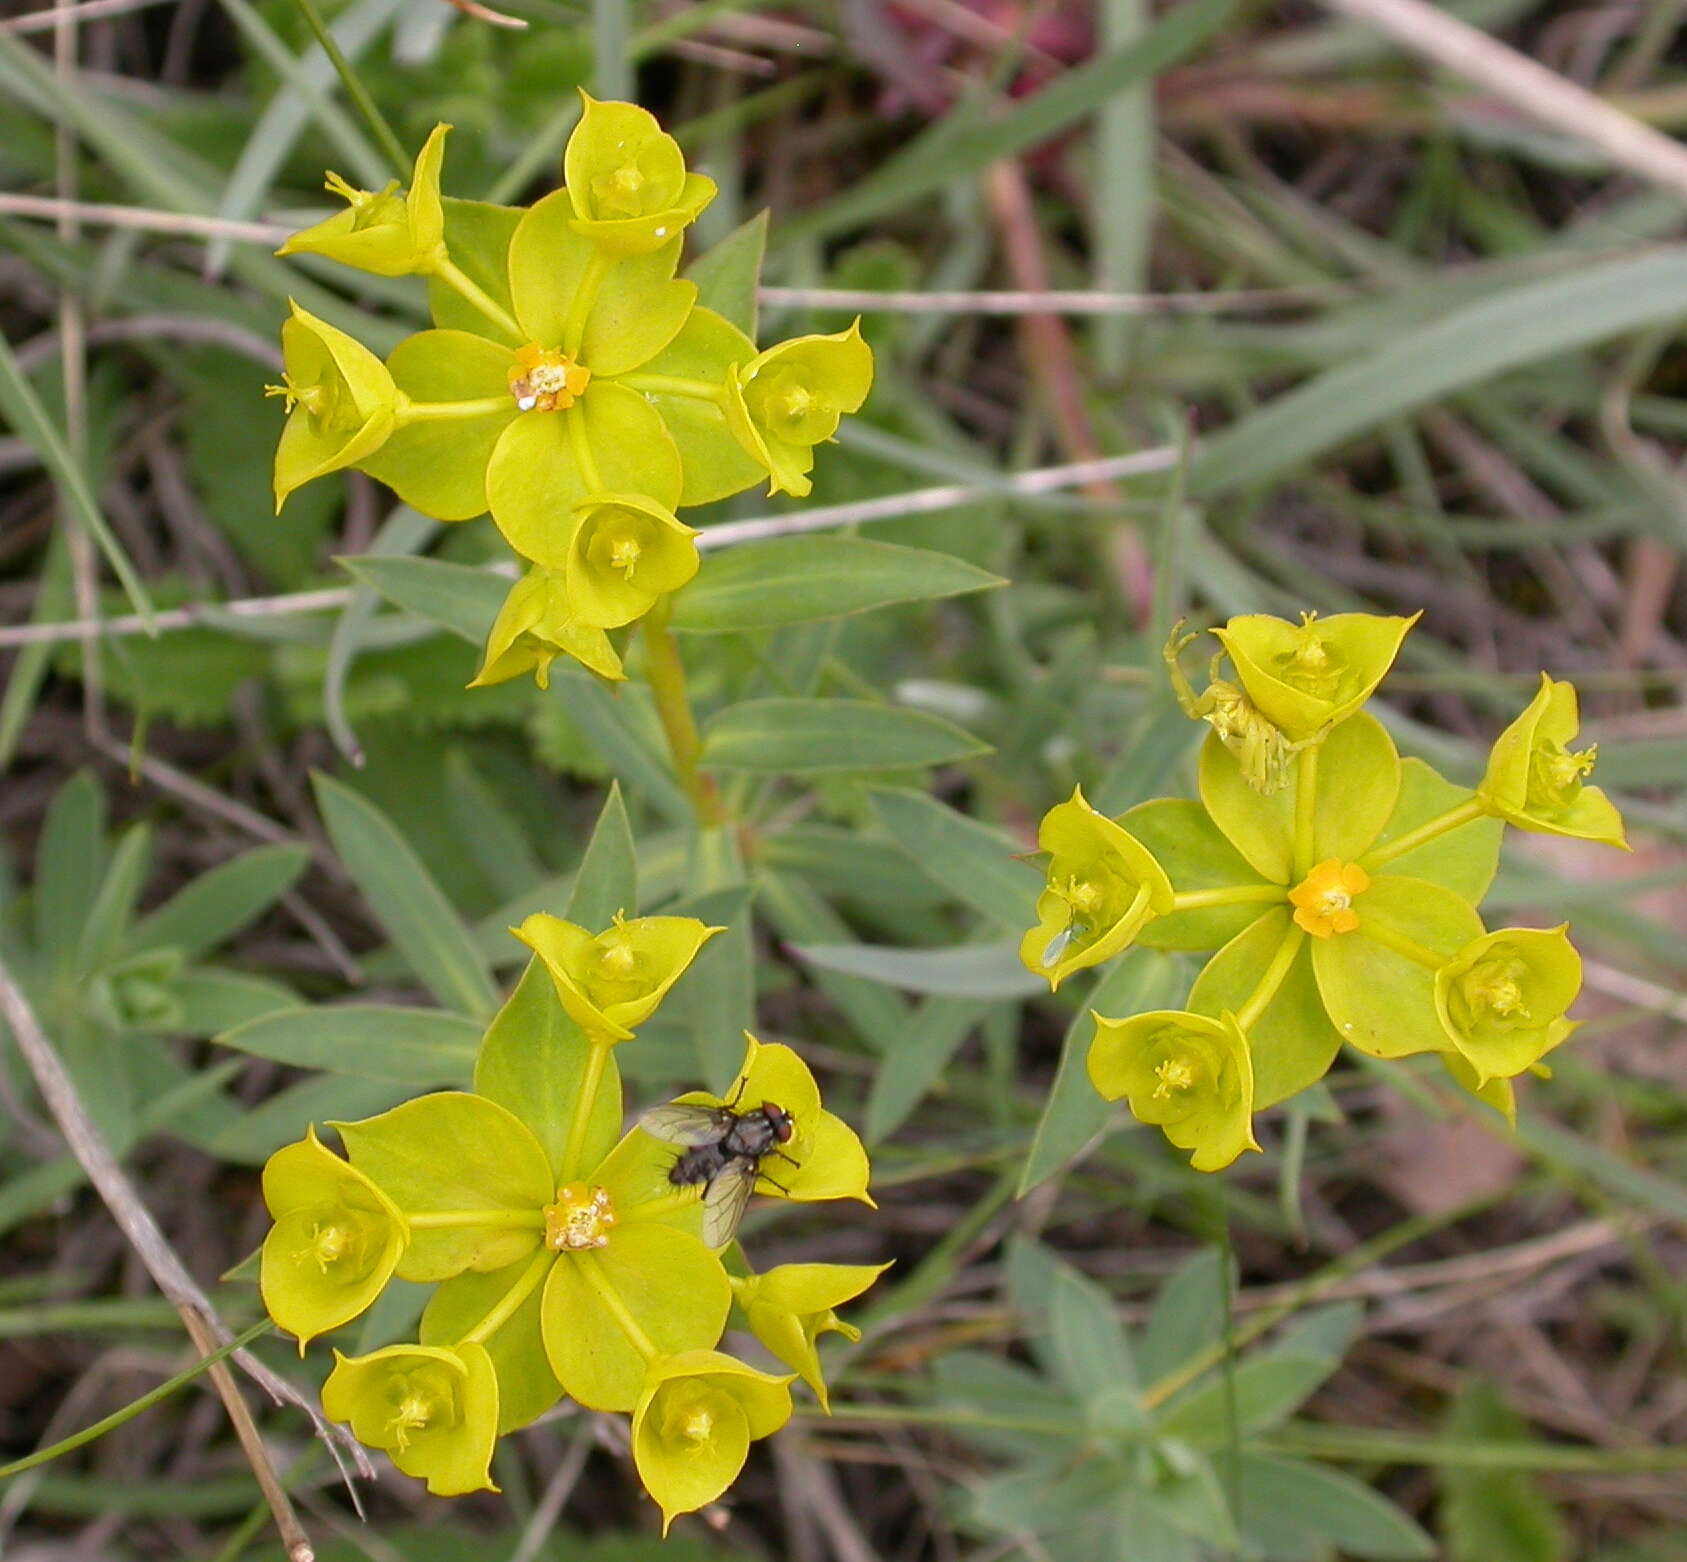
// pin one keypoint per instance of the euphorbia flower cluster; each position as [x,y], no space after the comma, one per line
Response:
[1337,884]
[573,387]
[566,1260]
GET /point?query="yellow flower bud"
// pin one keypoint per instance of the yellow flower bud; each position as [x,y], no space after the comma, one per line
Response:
[534,627]
[1537,782]
[626,179]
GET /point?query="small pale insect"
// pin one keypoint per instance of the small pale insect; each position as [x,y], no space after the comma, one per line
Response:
[723,1151]
[1061,941]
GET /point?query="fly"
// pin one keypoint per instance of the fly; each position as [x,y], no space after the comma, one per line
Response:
[722,1151]
[1058,944]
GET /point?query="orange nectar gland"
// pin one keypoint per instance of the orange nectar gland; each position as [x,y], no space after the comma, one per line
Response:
[546,379]
[1323,900]
[580,1218]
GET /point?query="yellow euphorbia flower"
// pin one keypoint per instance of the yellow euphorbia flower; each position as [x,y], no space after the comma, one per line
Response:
[1502,999]
[1323,900]
[627,181]
[534,627]
[790,1307]
[1536,782]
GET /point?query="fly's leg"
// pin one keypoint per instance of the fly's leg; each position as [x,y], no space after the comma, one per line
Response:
[784,1157]
[762,1176]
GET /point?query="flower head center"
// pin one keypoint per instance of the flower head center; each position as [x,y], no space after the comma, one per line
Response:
[414,1412]
[318,400]
[580,1218]
[1323,900]
[698,1424]
[623,554]
[1083,896]
[621,190]
[1172,1074]
[329,1243]
[369,208]
[1312,664]
[1494,986]
[546,379]
[1556,775]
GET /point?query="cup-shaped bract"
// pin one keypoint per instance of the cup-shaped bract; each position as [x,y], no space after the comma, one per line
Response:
[788,1308]
[1537,782]
[534,627]
[381,231]
[1503,999]
[790,398]
[611,982]
[341,402]
[1103,886]
[626,551]
[694,1424]
[627,181]
[1308,676]
[336,1240]
[1189,1074]
[433,1409]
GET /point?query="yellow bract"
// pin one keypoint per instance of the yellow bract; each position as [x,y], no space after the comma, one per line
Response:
[790,1307]
[534,627]
[1537,782]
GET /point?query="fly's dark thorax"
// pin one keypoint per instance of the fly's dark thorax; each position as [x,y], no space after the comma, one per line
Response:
[702,1163]
[752,1136]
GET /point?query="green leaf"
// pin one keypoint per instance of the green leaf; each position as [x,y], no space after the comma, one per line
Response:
[1297,1512]
[1462,348]
[974,862]
[973,135]
[607,880]
[417,1047]
[1142,980]
[215,1001]
[1196,856]
[1463,860]
[406,901]
[457,597]
[533,1063]
[806,737]
[718,999]
[902,1079]
[804,580]
[496,1168]
[218,904]
[729,274]
[254,1136]
[1293,1042]
[979,971]
[1187,1315]
[1266,1390]
[1090,1353]
[69,864]
[108,917]
[1495,1515]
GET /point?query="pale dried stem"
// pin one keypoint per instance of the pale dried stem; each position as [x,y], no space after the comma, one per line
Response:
[918,501]
[1541,94]
[133,1218]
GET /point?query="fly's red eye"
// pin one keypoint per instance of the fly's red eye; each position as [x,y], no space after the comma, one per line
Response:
[781,1122]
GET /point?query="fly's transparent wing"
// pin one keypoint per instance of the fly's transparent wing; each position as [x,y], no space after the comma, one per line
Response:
[724,1201]
[687,1125]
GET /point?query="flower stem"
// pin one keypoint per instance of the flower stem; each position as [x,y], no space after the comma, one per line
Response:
[454,277]
[1306,807]
[525,1284]
[1272,978]
[611,1299]
[441,411]
[1237,895]
[355,90]
[674,385]
[589,1082]
[1470,809]
[579,311]
[443,1219]
[667,684]
[1400,944]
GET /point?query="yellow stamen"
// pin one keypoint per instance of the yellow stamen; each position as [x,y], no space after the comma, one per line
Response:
[579,1219]
[1172,1074]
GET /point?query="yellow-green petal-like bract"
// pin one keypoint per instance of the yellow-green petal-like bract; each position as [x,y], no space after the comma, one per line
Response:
[434,1410]
[627,181]
[695,1421]
[1188,1074]
[1103,886]
[791,1306]
[341,402]
[790,398]
[1307,676]
[335,1243]
[534,627]
[1502,999]
[626,551]
[1536,782]
[612,981]
[381,231]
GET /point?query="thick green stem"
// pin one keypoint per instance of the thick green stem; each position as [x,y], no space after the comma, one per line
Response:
[1275,973]
[579,311]
[526,1283]
[1466,812]
[454,277]
[445,411]
[1306,806]
[516,1219]
[1400,944]
[1240,895]
[667,684]
[576,1140]
[611,1299]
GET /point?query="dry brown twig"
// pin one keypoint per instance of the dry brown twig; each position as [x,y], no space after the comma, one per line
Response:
[199,1316]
